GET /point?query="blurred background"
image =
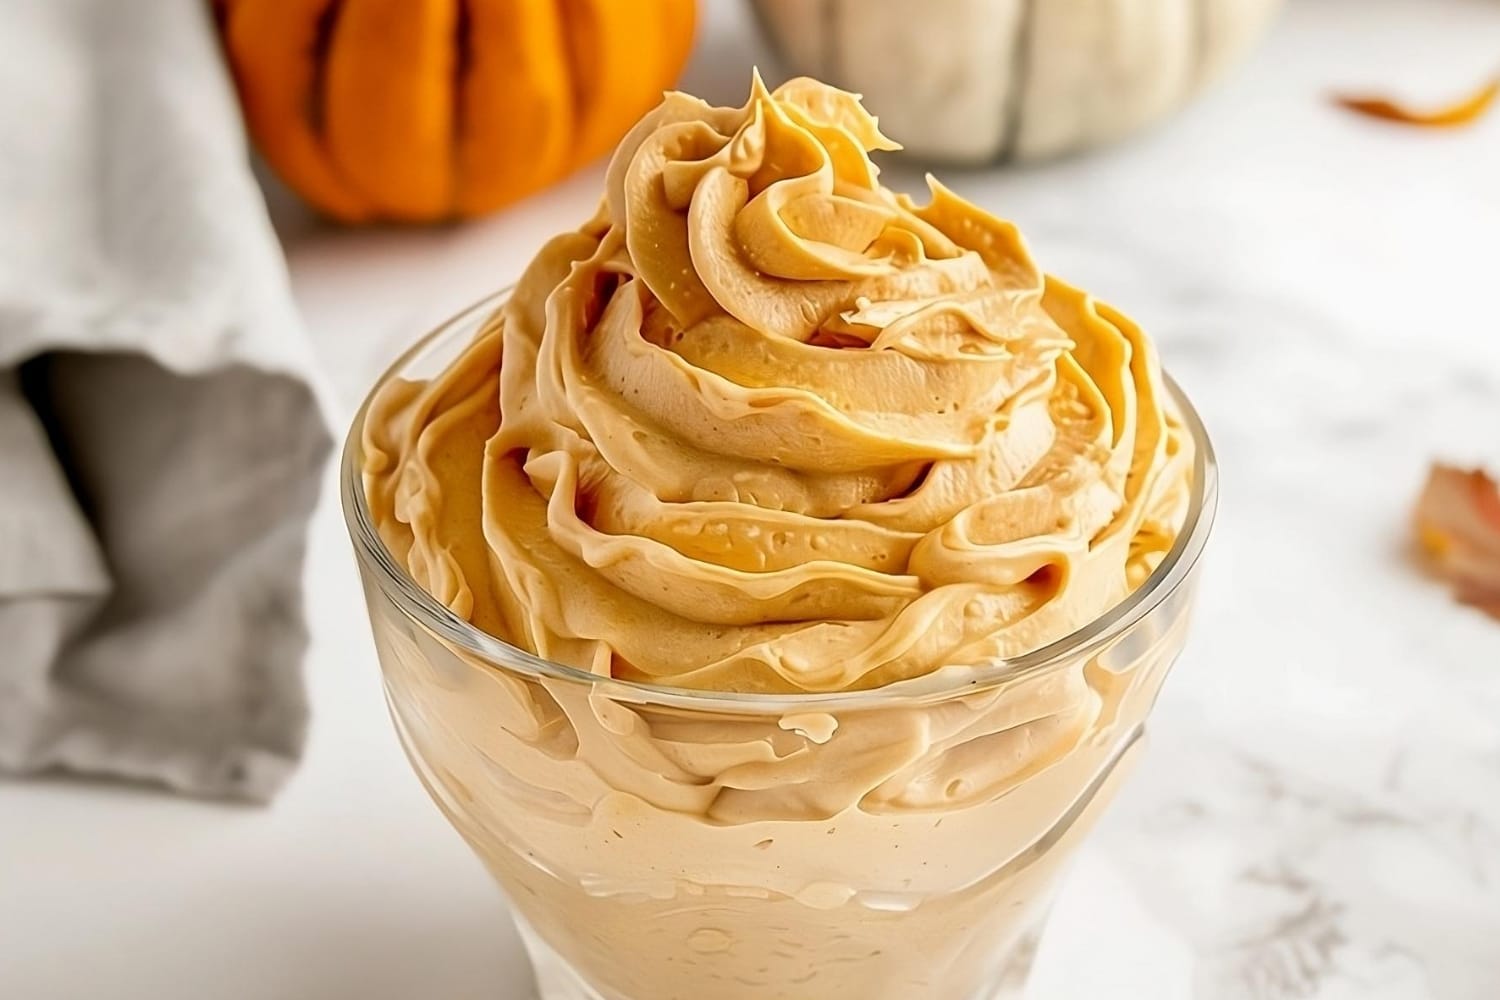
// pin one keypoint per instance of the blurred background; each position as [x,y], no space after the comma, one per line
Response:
[1319,815]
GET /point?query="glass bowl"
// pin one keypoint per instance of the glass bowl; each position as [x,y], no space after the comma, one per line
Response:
[898,843]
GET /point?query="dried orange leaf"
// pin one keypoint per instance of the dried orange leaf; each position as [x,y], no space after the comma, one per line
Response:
[1458,528]
[1468,110]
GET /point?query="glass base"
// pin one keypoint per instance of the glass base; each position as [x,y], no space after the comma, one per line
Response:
[556,980]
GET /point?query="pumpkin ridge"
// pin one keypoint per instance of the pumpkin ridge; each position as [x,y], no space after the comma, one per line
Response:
[325,31]
[583,79]
[317,91]
[276,95]
[463,63]
[388,104]
[1020,73]
[518,97]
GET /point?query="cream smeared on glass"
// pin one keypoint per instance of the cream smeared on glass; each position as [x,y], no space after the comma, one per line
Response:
[764,425]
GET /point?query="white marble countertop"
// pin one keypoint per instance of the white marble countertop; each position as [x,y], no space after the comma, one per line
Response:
[1319,815]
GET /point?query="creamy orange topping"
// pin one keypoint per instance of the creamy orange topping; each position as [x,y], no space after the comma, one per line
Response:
[764,425]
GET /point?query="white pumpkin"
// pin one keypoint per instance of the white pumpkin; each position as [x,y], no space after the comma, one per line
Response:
[972,81]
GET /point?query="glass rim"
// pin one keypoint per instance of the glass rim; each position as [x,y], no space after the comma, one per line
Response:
[417,604]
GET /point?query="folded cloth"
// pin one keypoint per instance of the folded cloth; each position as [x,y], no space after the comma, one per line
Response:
[161,439]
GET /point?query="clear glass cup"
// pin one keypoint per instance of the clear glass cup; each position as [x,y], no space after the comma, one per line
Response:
[900,843]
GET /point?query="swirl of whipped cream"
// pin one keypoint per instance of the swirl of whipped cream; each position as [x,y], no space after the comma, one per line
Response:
[765,425]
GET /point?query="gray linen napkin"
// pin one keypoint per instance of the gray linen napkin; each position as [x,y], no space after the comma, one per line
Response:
[160,436]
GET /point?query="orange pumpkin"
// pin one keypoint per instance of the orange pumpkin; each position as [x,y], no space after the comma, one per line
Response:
[417,110]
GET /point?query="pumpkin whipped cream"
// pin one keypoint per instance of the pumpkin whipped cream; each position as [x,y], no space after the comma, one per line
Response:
[762,425]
